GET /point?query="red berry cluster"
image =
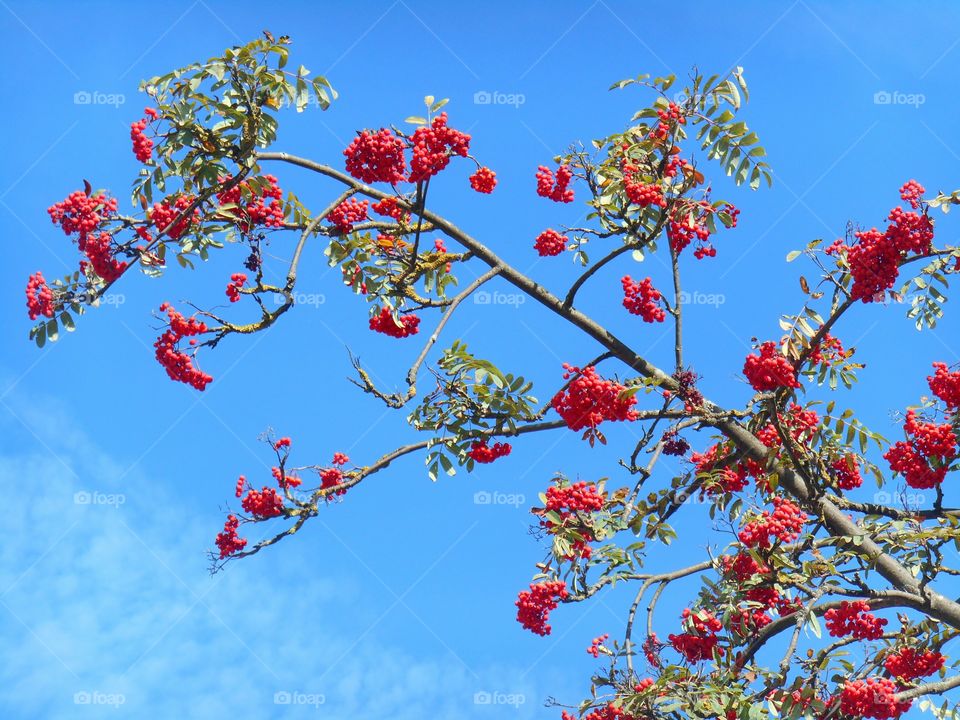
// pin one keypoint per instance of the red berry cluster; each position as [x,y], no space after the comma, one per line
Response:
[909,664]
[644,194]
[801,424]
[729,478]
[555,187]
[142,145]
[567,501]
[639,192]
[178,364]
[608,712]
[828,351]
[668,118]
[872,698]
[165,213]
[39,297]
[262,504]
[284,479]
[688,222]
[874,259]
[745,621]
[228,541]
[483,180]
[81,213]
[910,231]
[259,203]
[912,192]
[433,147]
[386,323]
[376,157]
[389,208]
[743,566]
[594,648]
[644,684]
[847,472]
[700,643]
[589,399]
[945,385]
[550,243]
[784,701]
[481,453]
[642,299]
[924,458]
[101,256]
[578,497]
[535,605]
[769,370]
[237,281]
[331,479]
[785,523]
[351,211]
[651,649]
[854,619]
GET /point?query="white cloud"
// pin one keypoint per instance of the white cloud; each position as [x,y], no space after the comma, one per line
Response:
[111,604]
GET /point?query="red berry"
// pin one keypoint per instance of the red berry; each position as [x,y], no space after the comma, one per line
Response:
[550,243]
[483,180]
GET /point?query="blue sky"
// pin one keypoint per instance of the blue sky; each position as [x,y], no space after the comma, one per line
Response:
[399,601]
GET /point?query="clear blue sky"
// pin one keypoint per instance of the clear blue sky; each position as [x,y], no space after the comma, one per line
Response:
[398,602]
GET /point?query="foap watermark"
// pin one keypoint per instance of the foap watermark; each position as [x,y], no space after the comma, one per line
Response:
[86,497]
[91,298]
[681,98]
[484,297]
[682,496]
[702,298]
[484,697]
[486,97]
[485,497]
[314,299]
[906,499]
[886,97]
[295,697]
[97,697]
[96,97]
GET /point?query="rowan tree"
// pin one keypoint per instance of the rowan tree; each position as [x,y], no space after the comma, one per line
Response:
[798,546]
